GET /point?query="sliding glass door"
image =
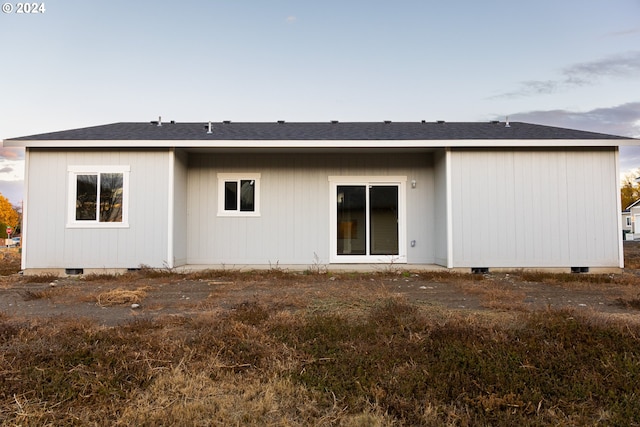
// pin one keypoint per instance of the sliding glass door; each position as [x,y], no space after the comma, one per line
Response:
[367,221]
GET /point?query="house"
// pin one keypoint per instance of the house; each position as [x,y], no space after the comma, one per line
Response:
[464,196]
[631,221]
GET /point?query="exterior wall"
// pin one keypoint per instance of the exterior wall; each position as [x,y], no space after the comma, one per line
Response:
[535,208]
[51,244]
[293,226]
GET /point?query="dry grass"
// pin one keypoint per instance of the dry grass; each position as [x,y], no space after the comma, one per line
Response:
[351,352]
[48,293]
[9,261]
[122,296]
[393,364]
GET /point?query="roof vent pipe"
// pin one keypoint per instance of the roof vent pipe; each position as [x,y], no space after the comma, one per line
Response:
[209,129]
[507,125]
[159,120]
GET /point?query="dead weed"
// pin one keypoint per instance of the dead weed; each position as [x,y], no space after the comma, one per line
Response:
[122,296]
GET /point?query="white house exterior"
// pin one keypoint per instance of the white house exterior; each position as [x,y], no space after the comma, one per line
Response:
[631,221]
[458,195]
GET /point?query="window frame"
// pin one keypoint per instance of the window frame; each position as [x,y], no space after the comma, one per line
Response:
[72,185]
[223,178]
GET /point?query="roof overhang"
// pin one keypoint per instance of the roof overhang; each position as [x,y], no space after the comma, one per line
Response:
[311,144]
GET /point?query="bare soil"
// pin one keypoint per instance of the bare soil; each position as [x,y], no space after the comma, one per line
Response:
[148,294]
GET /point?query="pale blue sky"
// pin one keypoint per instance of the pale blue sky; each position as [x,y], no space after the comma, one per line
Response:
[570,63]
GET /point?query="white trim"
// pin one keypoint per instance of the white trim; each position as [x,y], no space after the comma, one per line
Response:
[225,177]
[170,208]
[74,170]
[99,168]
[25,211]
[312,143]
[401,182]
[449,207]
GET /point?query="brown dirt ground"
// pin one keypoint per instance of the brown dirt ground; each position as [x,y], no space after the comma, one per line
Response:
[108,300]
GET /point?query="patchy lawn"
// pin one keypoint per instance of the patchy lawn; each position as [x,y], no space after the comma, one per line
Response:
[280,348]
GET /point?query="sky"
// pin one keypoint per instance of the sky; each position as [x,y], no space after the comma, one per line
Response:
[78,63]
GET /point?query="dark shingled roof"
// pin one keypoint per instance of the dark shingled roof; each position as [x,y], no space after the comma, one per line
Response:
[318,131]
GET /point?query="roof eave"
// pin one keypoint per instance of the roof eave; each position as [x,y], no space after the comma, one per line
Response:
[432,143]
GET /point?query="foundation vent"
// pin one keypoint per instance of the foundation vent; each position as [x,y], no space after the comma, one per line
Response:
[579,269]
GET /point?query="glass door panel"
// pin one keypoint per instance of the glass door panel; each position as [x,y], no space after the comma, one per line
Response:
[351,220]
[367,220]
[383,219]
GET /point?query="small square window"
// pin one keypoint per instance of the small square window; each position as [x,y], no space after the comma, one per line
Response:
[238,194]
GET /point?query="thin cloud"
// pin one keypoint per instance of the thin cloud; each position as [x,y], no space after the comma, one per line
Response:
[629,32]
[623,120]
[581,74]
[291,19]
[627,65]
[11,170]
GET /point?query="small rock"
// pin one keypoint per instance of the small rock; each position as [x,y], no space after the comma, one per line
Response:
[53,284]
[134,305]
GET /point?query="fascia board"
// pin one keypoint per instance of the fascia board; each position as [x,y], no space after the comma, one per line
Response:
[439,143]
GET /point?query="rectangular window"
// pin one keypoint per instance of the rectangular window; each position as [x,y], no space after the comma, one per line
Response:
[98,196]
[628,221]
[238,194]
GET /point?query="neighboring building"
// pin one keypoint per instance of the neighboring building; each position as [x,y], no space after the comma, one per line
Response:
[459,195]
[631,221]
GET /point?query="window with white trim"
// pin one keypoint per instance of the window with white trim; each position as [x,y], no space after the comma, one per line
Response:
[98,196]
[238,194]
[628,221]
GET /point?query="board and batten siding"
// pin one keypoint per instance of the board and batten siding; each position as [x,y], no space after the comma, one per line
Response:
[293,226]
[51,244]
[535,208]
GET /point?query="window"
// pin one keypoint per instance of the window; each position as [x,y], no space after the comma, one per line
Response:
[98,196]
[628,221]
[238,194]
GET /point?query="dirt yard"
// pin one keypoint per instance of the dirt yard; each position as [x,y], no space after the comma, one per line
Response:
[320,348]
[113,300]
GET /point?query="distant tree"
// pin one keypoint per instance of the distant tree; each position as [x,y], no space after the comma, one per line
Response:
[8,216]
[630,189]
